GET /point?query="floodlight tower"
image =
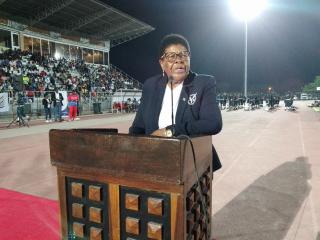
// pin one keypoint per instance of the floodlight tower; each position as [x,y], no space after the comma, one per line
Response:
[246,10]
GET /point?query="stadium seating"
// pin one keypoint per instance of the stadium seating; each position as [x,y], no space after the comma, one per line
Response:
[38,74]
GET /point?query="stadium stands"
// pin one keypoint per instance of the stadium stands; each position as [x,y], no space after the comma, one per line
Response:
[64,45]
[38,74]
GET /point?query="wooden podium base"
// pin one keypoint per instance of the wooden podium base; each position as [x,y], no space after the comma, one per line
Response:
[98,203]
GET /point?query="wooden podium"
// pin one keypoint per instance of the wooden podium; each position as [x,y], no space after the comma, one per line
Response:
[118,186]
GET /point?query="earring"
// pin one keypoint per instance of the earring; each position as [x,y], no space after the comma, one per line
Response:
[162,73]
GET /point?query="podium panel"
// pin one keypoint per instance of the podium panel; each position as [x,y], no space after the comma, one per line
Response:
[118,186]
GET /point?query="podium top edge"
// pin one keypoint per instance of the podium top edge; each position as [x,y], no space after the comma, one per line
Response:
[113,132]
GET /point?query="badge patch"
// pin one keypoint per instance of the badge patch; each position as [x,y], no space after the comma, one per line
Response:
[192,98]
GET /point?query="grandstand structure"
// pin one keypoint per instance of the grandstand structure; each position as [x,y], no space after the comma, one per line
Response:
[71,29]
[64,44]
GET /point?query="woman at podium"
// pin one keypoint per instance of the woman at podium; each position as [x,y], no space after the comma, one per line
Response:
[178,101]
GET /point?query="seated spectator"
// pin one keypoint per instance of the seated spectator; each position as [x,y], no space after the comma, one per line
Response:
[30,96]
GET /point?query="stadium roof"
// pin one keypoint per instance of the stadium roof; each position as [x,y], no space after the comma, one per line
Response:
[83,18]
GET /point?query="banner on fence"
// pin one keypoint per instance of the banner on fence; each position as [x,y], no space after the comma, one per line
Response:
[4,102]
[64,108]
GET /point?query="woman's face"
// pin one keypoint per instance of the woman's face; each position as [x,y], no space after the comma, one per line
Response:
[175,62]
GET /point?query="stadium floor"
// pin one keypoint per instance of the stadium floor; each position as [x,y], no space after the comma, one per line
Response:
[268,188]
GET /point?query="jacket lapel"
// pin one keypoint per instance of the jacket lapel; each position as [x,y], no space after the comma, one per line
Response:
[158,98]
[183,100]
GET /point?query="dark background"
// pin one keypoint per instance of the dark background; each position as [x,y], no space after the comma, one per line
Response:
[283,42]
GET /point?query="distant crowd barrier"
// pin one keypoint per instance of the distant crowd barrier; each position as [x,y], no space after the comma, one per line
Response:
[122,101]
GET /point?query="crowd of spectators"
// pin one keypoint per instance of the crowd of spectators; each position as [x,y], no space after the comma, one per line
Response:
[35,74]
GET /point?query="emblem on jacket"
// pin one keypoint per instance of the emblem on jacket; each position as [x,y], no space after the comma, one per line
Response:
[192,98]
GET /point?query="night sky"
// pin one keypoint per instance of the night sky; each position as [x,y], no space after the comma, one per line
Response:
[283,42]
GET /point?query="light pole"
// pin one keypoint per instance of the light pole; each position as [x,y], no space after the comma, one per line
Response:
[245,59]
[246,10]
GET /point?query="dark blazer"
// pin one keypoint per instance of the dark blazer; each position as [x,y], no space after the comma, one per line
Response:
[54,100]
[197,114]
[45,103]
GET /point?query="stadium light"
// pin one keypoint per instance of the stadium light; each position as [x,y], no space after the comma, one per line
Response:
[246,10]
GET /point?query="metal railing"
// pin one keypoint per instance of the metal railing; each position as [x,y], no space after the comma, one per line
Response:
[90,103]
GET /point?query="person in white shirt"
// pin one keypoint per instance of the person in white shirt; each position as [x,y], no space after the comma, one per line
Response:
[179,101]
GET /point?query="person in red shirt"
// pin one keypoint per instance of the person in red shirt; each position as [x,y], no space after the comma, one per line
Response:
[73,99]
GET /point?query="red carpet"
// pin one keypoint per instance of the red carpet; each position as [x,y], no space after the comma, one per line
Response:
[27,217]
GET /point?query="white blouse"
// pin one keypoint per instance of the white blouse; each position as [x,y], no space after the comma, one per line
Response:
[165,114]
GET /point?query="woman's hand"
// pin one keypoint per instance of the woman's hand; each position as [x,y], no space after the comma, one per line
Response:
[159,132]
